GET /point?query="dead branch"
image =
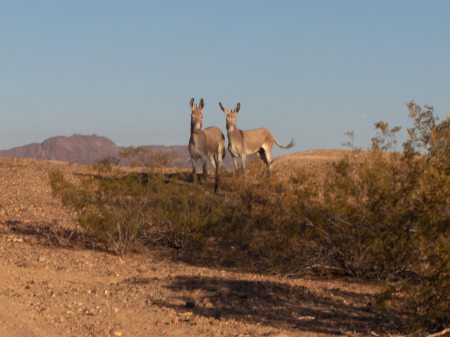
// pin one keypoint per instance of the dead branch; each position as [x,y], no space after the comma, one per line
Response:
[445,332]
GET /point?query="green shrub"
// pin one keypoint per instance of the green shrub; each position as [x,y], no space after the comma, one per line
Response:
[366,213]
[114,209]
[119,210]
[387,215]
[185,214]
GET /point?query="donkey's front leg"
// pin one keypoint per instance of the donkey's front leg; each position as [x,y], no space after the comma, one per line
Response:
[243,158]
[194,172]
[205,167]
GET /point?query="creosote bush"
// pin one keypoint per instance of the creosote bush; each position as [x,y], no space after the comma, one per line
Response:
[121,210]
[114,210]
[387,215]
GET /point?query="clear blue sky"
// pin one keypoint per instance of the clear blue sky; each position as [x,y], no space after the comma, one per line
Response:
[305,69]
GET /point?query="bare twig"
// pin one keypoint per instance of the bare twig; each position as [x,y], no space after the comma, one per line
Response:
[445,332]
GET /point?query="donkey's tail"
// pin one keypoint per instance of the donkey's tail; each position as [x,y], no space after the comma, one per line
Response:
[288,146]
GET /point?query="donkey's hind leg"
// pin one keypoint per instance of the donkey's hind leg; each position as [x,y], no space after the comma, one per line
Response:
[213,161]
[267,157]
[263,157]
[220,156]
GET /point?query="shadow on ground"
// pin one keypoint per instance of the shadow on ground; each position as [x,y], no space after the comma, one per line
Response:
[49,235]
[277,304]
[274,304]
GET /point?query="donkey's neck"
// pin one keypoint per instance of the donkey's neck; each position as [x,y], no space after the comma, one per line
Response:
[197,135]
[234,134]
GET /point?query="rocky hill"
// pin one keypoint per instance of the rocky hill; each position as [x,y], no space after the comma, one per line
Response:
[73,149]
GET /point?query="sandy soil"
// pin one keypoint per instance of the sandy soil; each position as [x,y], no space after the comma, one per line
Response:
[53,284]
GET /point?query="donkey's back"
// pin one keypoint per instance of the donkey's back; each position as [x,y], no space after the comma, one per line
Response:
[215,140]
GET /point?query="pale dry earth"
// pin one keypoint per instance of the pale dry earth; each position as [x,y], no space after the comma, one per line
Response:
[53,284]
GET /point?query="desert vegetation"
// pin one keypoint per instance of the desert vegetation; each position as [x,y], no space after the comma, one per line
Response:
[376,215]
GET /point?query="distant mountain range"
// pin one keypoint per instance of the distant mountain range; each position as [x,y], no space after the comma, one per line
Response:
[91,149]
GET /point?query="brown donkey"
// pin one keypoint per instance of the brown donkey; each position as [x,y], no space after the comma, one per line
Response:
[204,145]
[242,143]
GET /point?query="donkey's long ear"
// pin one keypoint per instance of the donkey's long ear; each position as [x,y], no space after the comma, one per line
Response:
[202,104]
[238,107]
[223,108]
[191,103]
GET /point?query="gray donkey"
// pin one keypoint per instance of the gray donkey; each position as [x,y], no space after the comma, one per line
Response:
[204,145]
[242,143]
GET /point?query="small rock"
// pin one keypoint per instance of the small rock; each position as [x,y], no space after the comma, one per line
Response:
[186,316]
[117,333]
[190,303]
[16,239]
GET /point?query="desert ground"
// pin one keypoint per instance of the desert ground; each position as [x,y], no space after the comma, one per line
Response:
[54,284]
